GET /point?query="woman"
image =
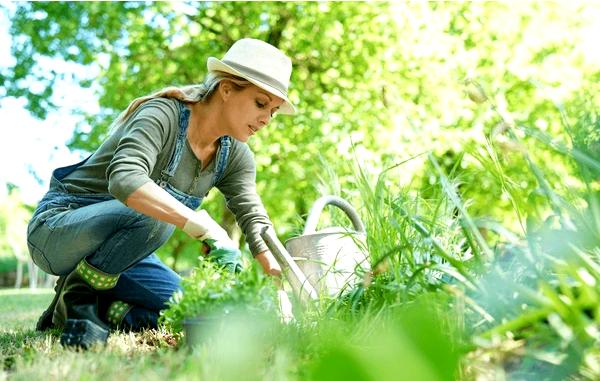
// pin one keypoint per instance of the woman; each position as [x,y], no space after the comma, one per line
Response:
[102,219]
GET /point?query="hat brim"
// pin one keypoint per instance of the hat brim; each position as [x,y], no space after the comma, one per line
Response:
[286,108]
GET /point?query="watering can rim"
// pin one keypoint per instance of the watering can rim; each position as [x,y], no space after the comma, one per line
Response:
[348,233]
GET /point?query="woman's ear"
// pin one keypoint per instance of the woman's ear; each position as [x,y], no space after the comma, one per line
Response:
[225,89]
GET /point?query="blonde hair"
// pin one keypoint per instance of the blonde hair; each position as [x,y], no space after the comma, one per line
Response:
[189,94]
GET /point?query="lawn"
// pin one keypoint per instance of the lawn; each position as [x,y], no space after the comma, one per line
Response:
[21,308]
[30,355]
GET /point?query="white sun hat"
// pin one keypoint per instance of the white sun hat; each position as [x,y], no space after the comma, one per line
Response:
[260,63]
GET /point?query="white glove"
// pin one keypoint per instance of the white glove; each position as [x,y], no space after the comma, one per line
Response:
[201,227]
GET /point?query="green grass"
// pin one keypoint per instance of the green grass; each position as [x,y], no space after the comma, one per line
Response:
[29,355]
[22,307]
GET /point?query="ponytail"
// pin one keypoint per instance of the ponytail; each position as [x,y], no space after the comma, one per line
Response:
[188,94]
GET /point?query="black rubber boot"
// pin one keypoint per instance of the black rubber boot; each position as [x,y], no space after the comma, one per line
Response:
[45,320]
[77,306]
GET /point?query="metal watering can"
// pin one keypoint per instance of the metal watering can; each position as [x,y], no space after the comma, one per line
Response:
[321,262]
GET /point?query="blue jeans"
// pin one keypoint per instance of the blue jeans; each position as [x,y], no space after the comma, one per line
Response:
[66,228]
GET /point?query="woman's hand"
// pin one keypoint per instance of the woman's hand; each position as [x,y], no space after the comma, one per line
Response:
[271,267]
[268,263]
[225,255]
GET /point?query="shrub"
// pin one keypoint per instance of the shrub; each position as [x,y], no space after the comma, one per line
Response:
[211,290]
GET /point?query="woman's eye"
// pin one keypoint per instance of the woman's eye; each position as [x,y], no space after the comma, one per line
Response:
[260,105]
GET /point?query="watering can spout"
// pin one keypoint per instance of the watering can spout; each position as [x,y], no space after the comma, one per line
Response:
[295,276]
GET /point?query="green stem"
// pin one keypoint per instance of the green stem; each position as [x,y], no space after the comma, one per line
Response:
[524,320]
[467,218]
[436,245]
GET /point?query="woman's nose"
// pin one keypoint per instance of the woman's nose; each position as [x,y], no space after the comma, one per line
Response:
[264,120]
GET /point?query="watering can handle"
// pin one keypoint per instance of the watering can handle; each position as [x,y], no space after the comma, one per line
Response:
[317,208]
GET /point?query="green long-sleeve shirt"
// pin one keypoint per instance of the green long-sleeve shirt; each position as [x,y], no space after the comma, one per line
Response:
[139,149]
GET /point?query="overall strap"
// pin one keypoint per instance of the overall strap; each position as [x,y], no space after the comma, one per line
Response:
[222,159]
[169,171]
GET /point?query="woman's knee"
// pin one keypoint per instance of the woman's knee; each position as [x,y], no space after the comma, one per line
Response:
[37,237]
[40,260]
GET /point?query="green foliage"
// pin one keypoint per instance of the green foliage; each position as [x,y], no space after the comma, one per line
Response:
[586,137]
[416,244]
[14,216]
[179,252]
[541,289]
[414,333]
[497,227]
[545,294]
[386,78]
[8,264]
[214,292]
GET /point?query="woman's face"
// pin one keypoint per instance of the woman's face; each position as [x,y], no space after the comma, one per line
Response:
[248,110]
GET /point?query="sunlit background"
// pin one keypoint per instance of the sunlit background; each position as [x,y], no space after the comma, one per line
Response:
[465,134]
[30,148]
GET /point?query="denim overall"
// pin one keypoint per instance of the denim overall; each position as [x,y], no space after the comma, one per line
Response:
[67,227]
